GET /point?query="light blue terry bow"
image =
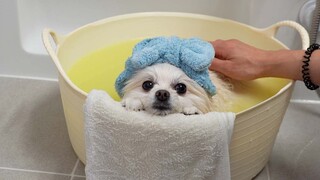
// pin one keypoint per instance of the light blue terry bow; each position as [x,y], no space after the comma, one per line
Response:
[193,56]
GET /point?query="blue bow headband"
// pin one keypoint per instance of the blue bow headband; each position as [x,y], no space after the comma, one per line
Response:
[193,56]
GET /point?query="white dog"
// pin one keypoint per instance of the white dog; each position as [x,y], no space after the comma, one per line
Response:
[163,89]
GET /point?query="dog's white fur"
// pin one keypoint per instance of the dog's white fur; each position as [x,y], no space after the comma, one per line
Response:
[165,76]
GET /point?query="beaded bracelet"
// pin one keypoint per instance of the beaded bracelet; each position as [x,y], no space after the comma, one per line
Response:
[305,67]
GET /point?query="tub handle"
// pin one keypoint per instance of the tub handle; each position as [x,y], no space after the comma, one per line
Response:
[273,29]
[46,35]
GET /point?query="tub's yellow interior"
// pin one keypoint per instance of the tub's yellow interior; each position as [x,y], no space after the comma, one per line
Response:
[99,69]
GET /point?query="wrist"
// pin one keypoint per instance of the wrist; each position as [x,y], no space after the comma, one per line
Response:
[310,73]
[314,67]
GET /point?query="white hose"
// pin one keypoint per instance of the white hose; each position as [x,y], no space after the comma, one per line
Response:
[315,23]
[315,28]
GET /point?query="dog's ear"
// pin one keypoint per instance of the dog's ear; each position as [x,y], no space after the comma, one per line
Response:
[196,54]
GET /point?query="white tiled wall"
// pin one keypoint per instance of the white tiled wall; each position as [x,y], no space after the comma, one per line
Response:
[22,52]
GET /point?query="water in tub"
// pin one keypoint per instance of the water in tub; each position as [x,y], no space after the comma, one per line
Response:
[99,69]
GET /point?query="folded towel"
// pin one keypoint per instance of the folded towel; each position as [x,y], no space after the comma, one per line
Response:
[136,145]
[193,56]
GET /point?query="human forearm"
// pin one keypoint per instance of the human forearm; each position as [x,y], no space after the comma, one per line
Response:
[288,64]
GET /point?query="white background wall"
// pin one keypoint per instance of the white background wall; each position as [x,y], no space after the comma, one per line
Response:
[22,21]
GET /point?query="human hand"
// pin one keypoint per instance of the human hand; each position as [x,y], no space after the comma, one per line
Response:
[238,60]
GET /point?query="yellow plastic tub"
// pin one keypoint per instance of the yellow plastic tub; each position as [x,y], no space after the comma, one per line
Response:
[255,128]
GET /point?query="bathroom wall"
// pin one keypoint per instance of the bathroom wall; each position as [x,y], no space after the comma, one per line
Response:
[22,21]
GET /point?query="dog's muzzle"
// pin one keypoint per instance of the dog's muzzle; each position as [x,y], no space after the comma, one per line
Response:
[162,100]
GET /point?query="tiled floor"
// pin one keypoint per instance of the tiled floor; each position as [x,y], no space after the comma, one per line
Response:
[33,134]
[35,144]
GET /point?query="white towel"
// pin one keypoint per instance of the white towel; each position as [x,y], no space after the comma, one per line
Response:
[135,145]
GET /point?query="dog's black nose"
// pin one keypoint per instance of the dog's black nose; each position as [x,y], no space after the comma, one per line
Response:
[162,95]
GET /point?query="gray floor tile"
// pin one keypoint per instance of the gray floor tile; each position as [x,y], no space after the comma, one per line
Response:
[33,133]
[80,169]
[78,178]
[296,153]
[21,175]
[263,175]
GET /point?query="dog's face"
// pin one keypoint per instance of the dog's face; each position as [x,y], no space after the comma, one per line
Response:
[163,89]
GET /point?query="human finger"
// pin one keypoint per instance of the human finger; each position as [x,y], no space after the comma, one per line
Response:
[219,48]
[218,65]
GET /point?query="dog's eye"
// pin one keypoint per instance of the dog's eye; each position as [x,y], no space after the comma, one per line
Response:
[181,88]
[147,85]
